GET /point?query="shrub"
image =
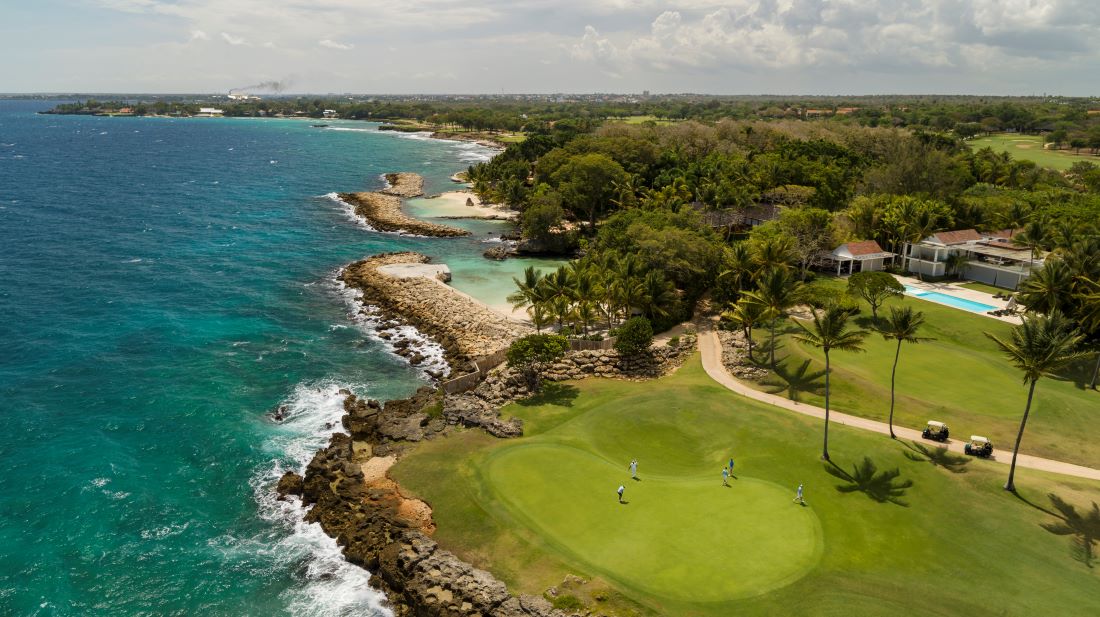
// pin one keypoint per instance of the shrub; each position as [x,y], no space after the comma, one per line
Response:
[674,341]
[567,602]
[635,337]
[530,353]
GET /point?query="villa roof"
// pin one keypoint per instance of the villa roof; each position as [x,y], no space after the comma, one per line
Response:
[1005,234]
[859,251]
[863,247]
[958,236]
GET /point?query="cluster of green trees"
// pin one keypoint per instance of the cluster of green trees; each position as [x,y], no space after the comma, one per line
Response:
[594,292]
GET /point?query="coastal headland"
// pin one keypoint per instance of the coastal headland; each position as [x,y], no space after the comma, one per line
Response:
[382,209]
[464,327]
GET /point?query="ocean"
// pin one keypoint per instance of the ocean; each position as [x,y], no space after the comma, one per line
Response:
[164,285]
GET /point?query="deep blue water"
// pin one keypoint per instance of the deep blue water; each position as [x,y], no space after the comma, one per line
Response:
[163,285]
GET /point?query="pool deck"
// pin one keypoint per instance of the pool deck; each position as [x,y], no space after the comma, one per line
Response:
[955,289]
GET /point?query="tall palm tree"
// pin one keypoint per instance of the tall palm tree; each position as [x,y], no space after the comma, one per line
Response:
[956,262]
[660,293]
[777,291]
[741,267]
[745,314]
[1039,346]
[560,286]
[1035,236]
[773,253]
[1048,289]
[829,331]
[585,287]
[526,294]
[902,326]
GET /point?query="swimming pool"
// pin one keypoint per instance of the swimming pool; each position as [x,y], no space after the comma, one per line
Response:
[949,300]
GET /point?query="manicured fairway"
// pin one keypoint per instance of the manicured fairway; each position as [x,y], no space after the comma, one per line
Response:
[1030,148]
[671,530]
[959,378]
[890,528]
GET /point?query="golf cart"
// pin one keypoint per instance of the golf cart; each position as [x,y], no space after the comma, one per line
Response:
[979,446]
[936,431]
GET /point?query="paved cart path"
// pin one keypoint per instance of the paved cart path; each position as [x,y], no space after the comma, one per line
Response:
[711,349]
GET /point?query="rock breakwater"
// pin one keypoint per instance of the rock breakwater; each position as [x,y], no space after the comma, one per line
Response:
[465,328]
[404,184]
[383,212]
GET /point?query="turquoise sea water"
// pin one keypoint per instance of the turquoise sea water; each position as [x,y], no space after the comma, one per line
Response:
[164,284]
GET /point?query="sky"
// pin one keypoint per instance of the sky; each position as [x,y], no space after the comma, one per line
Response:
[832,47]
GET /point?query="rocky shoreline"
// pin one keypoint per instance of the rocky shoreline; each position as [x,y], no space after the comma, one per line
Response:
[388,532]
[383,212]
[465,328]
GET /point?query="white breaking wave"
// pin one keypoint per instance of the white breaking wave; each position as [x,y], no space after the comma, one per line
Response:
[369,318]
[343,128]
[330,586]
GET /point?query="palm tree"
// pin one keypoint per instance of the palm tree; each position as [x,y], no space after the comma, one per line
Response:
[660,293]
[741,267]
[560,286]
[902,326]
[1033,236]
[526,294]
[1048,289]
[773,253]
[827,332]
[745,314]
[956,262]
[776,291]
[585,287]
[1039,346]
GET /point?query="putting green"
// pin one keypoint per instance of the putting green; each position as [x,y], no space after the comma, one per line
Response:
[678,537]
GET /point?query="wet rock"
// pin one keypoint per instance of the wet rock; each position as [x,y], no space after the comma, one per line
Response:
[290,484]
[499,253]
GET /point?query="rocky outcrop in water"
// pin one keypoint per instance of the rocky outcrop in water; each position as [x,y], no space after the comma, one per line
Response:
[404,184]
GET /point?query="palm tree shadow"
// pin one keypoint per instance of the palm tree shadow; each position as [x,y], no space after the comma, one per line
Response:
[1083,528]
[793,381]
[938,457]
[883,487]
[552,393]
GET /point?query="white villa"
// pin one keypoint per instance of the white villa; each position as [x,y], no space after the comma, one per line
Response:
[867,254]
[989,258]
[209,112]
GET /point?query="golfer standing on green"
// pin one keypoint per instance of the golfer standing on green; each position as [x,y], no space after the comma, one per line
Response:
[798,497]
[731,465]
[725,476]
[634,469]
[620,492]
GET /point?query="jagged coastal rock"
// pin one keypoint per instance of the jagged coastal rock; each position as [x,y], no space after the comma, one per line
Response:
[404,184]
[464,327]
[388,532]
[383,212]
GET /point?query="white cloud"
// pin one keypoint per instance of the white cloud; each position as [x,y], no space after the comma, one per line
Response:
[199,35]
[233,40]
[331,44]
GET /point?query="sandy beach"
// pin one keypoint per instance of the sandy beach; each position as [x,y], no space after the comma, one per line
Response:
[452,204]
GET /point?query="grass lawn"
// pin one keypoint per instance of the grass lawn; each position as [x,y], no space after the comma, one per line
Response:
[982,287]
[1030,148]
[959,378]
[643,120]
[894,528]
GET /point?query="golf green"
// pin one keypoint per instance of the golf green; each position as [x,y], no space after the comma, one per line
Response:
[679,537]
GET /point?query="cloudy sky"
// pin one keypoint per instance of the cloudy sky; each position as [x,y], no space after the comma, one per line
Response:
[492,46]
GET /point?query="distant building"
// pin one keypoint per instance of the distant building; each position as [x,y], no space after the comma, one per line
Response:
[330,113]
[209,112]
